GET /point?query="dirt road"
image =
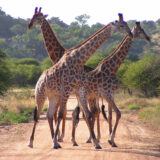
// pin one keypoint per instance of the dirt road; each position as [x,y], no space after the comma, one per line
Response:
[135,142]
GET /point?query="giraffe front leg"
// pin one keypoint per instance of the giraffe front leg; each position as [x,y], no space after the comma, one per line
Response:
[63,101]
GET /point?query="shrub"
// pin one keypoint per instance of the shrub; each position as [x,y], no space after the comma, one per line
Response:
[10,117]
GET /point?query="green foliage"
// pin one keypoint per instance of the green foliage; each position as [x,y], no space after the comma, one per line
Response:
[9,117]
[44,108]
[26,74]
[5,74]
[28,61]
[93,61]
[47,63]
[82,19]
[143,75]
[123,68]
[18,42]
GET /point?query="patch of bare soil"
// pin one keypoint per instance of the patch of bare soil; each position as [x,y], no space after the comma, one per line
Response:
[135,142]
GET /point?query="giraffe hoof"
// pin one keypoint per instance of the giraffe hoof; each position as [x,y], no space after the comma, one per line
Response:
[88,141]
[75,144]
[60,140]
[57,146]
[112,143]
[30,145]
[98,147]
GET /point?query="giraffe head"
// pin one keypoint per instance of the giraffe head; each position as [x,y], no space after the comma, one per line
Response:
[37,18]
[121,26]
[138,32]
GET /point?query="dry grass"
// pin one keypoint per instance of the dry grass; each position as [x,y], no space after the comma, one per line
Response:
[17,99]
[148,108]
[124,99]
[16,106]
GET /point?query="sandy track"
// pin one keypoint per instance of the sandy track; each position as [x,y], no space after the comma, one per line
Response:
[134,141]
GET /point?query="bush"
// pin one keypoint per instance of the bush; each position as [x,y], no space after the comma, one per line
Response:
[47,63]
[26,74]
[143,75]
[5,74]
[28,61]
[93,61]
[10,117]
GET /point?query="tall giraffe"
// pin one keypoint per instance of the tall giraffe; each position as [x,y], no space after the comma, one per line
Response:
[102,81]
[57,82]
[54,48]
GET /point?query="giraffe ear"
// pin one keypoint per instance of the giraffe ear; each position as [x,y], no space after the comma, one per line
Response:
[45,16]
[120,17]
[40,9]
[36,10]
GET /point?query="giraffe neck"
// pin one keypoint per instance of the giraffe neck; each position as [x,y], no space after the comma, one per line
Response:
[54,49]
[84,51]
[111,64]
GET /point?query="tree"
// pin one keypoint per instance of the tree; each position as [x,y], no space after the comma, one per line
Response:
[26,74]
[28,61]
[82,19]
[143,75]
[5,74]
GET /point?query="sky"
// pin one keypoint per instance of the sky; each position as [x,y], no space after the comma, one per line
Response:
[102,11]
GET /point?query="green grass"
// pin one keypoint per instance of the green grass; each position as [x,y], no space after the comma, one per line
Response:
[44,108]
[10,117]
[133,107]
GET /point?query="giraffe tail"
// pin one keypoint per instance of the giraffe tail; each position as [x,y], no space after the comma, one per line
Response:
[35,114]
[75,115]
[104,113]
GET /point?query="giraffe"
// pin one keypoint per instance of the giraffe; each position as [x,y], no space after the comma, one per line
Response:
[57,82]
[102,81]
[54,48]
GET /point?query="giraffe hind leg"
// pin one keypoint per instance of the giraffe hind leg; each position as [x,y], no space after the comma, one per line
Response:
[34,127]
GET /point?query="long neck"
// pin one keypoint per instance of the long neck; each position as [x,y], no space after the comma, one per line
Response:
[54,49]
[85,50]
[111,64]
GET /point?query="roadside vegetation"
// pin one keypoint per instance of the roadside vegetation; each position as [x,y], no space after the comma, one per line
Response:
[147,109]
[16,106]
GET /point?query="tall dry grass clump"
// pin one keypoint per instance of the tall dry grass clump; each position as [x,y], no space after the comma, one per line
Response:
[16,106]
